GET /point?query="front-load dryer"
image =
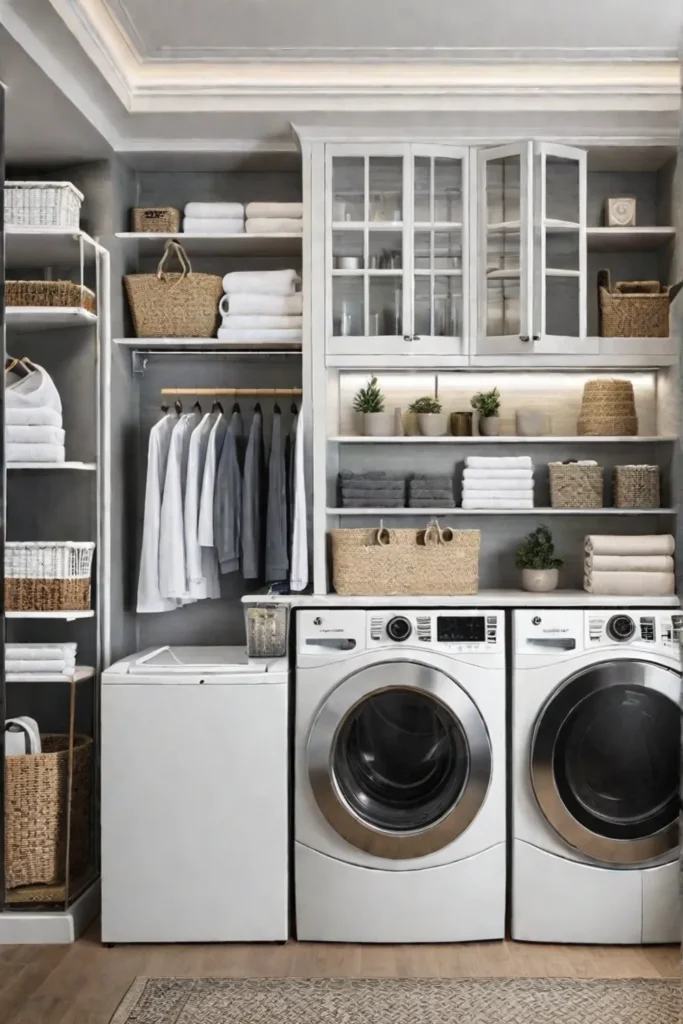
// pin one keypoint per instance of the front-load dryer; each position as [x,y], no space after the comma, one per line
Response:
[400,776]
[595,762]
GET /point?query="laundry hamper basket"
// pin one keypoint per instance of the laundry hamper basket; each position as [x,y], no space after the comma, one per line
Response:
[48,577]
[633,309]
[42,204]
[636,487]
[183,305]
[378,562]
[574,486]
[36,806]
[49,293]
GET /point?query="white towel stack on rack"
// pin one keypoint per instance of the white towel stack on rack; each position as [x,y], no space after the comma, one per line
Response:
[261,306]
[498,483]
[33,416]
[46,663]
[639,565]
[275,218]
[214,219]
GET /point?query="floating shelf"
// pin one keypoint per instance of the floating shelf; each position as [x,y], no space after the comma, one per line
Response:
[506,439]
[31,318]
[88,467]
[628,239]
[484,599]
[47,247]
[206,344]
[151,243]
[538,511]
[69,616]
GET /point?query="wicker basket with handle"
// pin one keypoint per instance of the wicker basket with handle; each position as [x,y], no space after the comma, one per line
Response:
[574,486]
[435,561]
[48,577]
[157,219]
[633,309]
[49,293]
[636,487]
[172,305]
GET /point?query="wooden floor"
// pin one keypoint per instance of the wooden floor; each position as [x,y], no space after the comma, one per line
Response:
[83,983]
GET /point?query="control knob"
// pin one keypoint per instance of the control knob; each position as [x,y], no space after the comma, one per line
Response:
[399,628]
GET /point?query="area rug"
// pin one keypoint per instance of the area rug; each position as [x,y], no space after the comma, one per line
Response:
[399,1001]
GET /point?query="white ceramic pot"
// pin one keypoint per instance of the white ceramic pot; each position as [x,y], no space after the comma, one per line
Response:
[532,423]
[432,424]
[378,424]
[489,426]
[539,581]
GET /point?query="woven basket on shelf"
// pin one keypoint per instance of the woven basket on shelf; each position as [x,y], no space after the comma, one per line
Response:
[370,562]
[48,577]
[636,487]
[633,309]
[162,219]
[174,305]
[608,408]
[49,293]
[42,204]
[573,486]
[36,812]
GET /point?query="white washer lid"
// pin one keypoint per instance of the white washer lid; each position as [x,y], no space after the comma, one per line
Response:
[173,660]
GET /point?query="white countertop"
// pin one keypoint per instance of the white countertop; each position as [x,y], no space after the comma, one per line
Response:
[484,599]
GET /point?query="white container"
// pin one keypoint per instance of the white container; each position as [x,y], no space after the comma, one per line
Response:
[378,424]
[432,424]
[489,426]
[540,581]
[532,423]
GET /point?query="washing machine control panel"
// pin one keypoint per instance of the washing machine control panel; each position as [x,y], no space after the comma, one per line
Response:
[564,633]
[643,629]
[449,630]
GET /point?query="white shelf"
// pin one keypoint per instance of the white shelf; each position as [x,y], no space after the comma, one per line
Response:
[446,272]
[151,243]
[69,616]
[30,318]
[46,247]
[501,439]
[560,226]
[537,511]
[437,225]
[371,225]
[558,272]
[206,344]
[87,467]
[80,675]
[371,272]
[628,239]
[484,599]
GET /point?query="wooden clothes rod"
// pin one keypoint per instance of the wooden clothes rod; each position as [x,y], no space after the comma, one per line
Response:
[258,392]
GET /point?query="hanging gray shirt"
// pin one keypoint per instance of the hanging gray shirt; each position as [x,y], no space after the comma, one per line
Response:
[252,501]
[277,561]
[227,500]
[289,461]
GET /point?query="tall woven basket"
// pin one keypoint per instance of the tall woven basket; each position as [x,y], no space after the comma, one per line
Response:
[174,305]
[608,408]
[371,562]
[633,309]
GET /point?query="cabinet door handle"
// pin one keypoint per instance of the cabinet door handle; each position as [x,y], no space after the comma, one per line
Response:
[407,337]
[537,337]
[524,337]
[416,337]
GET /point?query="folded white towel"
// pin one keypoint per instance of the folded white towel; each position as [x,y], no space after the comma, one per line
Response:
[274,226]
[256,322]
[34,434]
[295,210]
[262,305]
[505,462]
[497,474]
[575,462]
[230,334]
[636,584]
[221,211]
[39,416]
[23,665]
[262,282]
[491,486]
[40,652]
[473,503]
[640,544]
[19,452]
[215,226]
[628,563]
[38,677]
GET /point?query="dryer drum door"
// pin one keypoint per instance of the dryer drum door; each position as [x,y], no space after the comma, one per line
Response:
[399,759]
[605,762]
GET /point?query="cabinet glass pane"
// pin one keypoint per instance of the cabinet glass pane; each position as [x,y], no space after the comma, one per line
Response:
[503,189]
[447,250]
[386,304]
[423,306]
[562,250]
[502,307]
[422,173]
[447,307]
[447,191]
[385,250]
[562,306]
[348,308]
[562,189]
[386,188]
[422,256]
[348,188]
[348,250]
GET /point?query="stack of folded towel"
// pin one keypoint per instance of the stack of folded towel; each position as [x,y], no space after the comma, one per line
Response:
[427,490]
[640,566]
[498,483]
[33,416]
[214,219]
[275,218]
[46,663]
[374,489]
[261,305]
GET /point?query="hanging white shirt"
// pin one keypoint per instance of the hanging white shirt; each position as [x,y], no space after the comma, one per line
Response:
[149,594]
[172,565]
[201,563]
[298,579]
[213,454]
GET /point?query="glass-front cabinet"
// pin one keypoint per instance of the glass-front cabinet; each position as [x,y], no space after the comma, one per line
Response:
[396,253]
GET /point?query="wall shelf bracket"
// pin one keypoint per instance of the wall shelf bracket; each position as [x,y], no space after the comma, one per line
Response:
[139,360]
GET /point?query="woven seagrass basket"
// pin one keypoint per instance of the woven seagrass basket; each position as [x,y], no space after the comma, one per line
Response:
[183,305]
[636,487]
[48,577]
[157,219]
[573,486]
[49,293]
[608,408]
[633,309]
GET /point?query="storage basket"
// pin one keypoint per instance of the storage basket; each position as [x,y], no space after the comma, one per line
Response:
[42,204]
[49,293]
[162,219]
[608,408]
[36,794]
[636,487]
[633,309]
[48,577]
[266,627]
[384,562]
[174,305]
[574,486]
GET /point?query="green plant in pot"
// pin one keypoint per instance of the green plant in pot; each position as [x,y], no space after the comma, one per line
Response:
[432,421]
[369,403]
[537,559]
[487,404]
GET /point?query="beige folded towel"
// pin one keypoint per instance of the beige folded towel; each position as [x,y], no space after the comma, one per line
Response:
[635,584]
[275,210]
[629,563]
[274,226]
[644,544]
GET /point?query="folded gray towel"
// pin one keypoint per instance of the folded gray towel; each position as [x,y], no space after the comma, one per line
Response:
[432,479]
[370,503]
[355,491]
[371,474]
[385,484]
[431,492]
[431,503]
[376,497]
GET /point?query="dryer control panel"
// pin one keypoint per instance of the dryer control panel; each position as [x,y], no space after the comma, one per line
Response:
[450,630]
[559,633]
[651,629]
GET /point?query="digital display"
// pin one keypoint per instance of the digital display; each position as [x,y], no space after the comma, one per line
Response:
[466,629]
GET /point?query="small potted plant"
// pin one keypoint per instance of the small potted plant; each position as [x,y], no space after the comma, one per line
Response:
[431,420]
[538,562]
[369,402]
[487,404]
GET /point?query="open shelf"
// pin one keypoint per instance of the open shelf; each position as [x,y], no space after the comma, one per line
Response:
[31,318]
[500,439]
[537,511]
[151,243]
[69,616]
[47,247]
[628,239]
[484,599]
[206,345]
[86,467]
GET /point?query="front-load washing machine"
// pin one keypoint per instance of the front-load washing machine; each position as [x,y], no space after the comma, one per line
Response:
[400,775]
[595,761]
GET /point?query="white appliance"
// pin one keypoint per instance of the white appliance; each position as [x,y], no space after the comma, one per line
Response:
[400,775]
[194,797]
[595,761]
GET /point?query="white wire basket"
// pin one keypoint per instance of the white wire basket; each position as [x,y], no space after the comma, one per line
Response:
[42,204]
[48,576]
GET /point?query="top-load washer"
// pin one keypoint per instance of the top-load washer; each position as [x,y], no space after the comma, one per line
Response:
[400,775]
[596,762]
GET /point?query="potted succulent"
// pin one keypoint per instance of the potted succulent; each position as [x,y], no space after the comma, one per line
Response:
[431,420]
[369,402]
[538,562]
[487,404]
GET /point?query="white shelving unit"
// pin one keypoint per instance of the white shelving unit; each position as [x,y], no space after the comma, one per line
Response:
[151,243]
[67,616]
[416,513]
[500,439]
[636,239]
[509,598]
[204,344]
[45,318]
[85,467]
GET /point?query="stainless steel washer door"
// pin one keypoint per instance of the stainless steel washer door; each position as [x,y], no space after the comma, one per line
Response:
[399,759]
[605,762]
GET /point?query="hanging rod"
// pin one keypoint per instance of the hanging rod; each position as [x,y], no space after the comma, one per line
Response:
[258,392]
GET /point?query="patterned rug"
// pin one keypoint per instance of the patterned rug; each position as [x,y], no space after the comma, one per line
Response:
[398,1001]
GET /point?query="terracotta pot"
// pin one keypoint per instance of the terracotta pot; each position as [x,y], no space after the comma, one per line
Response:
[378,424]
[489,426]
[432,424]
[539,581]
